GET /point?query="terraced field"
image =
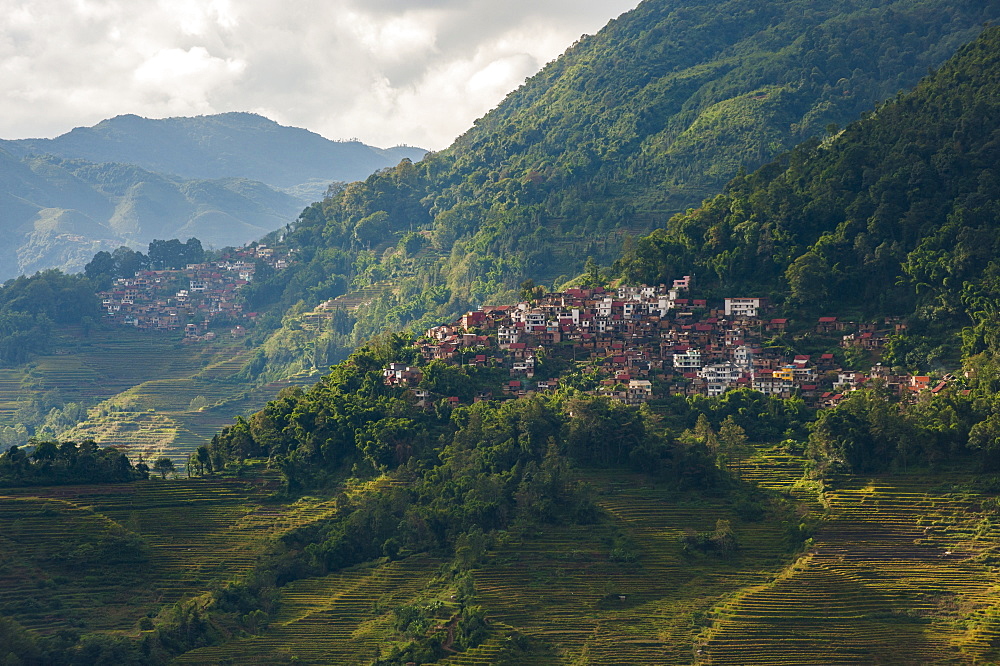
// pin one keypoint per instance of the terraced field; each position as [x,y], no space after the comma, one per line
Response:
[900,571]
[560,587]
[357,298]
[563,588]
[338,619]
[99,558]
[141,385]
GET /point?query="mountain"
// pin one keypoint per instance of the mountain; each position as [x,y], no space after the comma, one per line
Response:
[563,526]
[904,202]
[628,127]
[899,214]
[226,145]
[58,213]
[226,179]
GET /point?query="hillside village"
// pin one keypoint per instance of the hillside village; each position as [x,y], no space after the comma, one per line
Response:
[649,341]
[192,298]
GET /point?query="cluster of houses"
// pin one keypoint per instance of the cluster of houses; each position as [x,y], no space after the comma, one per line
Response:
[647,340]
[190,298]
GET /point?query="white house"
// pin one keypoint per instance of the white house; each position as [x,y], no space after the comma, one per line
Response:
[744,307]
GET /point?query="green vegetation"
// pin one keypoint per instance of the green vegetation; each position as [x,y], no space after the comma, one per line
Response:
[566,527]
[628,127]
[125,262]
[131,389]
[123,573]
[30,308]
[50,463]
[896,215]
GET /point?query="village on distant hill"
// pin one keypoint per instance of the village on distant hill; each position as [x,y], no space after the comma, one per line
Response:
[191,298]
[649,341]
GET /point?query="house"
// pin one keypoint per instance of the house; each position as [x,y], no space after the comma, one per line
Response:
[688,360]
[473,320]
[720,377]
[639,391]
[828,325]
[744,307]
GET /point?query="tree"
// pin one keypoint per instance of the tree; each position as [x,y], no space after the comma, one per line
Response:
[732,443]
[101,270]
[703,431]
[174,254]
[984,437]
[163,465]
[371,229]
[593,275]
[808,278]
[204,457]
[128,262]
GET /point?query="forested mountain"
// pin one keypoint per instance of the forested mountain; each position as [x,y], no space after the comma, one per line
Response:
[226,145]
[57,213]
[898,214]
[226,179]
[566,526]
[628,127]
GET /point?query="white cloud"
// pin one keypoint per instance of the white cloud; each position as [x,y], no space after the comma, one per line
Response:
[386,71]
[184,80]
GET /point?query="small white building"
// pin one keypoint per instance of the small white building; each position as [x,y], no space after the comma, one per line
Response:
[688,361]
[720,377]
[744,307]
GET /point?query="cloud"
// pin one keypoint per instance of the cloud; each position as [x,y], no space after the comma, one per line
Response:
[385,71]
[184,81]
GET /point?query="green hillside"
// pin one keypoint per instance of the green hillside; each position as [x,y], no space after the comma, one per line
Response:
[897,565]
[564,526]
[145,391]
[895,215]
[629,126]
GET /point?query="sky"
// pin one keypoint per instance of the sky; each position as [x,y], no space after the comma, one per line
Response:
[387,72]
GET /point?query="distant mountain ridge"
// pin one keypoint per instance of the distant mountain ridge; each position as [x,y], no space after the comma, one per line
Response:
[225,179]
[225,145]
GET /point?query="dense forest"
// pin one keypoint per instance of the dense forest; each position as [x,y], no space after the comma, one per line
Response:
[628,127]
[896,215]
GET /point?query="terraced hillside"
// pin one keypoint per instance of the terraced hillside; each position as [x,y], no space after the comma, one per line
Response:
[100,558]
[568,589]
[563,590]
[148,393]
[902,570]
[337,619]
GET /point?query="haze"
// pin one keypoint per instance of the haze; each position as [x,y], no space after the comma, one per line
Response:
[385,71]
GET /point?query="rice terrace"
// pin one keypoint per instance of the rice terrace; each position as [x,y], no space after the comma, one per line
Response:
[678,343]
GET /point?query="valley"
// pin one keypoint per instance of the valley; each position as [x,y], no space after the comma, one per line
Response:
[686,353]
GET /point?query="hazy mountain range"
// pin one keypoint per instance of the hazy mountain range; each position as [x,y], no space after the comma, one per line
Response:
[226,179]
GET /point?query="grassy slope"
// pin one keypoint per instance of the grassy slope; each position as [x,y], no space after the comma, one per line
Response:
[198,534]
[900,568]
[141,385]
[900,572]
